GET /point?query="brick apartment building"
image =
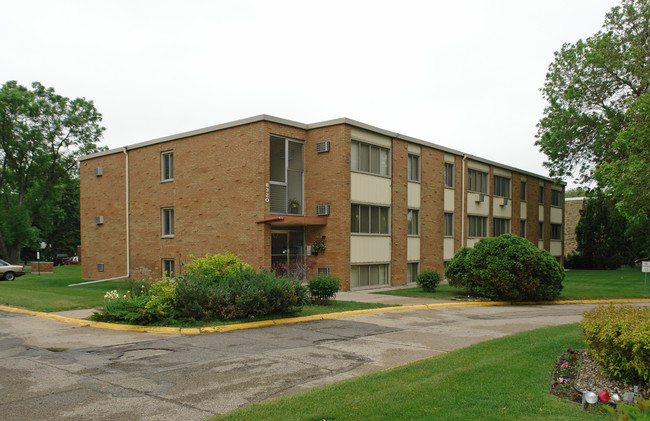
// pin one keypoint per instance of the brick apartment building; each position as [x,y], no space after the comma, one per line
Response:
[386,205]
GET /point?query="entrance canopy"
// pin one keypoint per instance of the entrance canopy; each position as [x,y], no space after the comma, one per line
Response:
[294,220]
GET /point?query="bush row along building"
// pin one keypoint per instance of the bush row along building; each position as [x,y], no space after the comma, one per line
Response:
[387,206]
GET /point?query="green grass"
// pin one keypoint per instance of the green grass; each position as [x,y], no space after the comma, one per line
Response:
[579,284]
[50,291]
[505,379]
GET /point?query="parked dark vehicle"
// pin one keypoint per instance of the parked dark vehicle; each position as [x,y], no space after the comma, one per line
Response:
[59,259]
[8,272]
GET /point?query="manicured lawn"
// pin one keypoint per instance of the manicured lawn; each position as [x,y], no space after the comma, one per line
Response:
[579,284]
[505,379]
[50,292]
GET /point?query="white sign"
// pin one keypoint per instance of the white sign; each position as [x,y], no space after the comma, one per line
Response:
[645,266]
[267,197]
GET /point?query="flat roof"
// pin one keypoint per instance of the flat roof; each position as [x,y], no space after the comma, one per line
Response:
[328,123]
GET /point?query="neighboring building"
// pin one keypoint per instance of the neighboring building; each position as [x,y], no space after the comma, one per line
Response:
[387,206]
[572,208]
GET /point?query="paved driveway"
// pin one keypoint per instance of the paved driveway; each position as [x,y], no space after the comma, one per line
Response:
[52,370]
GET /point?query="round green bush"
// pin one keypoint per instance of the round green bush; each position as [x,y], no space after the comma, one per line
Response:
[428,280]
[323,287]
[507,268]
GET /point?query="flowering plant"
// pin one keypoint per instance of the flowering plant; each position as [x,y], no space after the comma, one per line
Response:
[564,375]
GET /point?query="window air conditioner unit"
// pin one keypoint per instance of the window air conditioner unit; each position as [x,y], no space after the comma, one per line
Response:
[504,202]
[99,220]
[322,147]
[323,271]
[479,198]
[98,171]
[322,210]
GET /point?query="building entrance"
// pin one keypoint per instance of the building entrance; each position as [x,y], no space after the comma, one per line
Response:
[288,252]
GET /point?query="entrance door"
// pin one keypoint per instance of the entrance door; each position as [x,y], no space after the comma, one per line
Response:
[288,253]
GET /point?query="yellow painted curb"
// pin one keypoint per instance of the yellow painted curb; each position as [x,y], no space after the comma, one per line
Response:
[326,316]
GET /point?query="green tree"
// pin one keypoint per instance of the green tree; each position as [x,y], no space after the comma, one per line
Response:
[596,92]
[41,136]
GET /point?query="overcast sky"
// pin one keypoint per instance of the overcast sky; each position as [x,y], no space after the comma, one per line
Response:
[462,74]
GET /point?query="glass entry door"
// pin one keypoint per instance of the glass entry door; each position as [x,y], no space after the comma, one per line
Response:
[288,252]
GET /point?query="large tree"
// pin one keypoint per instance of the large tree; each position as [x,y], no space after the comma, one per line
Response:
[592,88]
[41,135]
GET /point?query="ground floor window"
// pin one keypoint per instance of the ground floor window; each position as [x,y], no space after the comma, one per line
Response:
[522,228]
[366,275]
[168,267]
[412,270]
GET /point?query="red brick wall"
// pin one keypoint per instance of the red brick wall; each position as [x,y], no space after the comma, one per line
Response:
[399,209]
[432,210]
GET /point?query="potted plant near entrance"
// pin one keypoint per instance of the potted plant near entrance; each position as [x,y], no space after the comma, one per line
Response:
[294,206]
[318,247]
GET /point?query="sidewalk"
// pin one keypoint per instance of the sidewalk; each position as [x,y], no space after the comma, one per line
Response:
[369,296]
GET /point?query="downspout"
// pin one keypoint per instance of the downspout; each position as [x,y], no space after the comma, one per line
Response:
[128,242]
[463,215]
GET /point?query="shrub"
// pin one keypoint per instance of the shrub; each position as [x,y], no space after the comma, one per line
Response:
[323,287]
[214,267]
[428,280]
[637,411]
[507,267]
[243,294]
[618,338]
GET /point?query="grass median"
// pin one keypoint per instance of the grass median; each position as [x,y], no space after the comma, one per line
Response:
[506,379]
[578,285]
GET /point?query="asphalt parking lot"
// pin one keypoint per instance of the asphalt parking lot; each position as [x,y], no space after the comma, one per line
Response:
[53,370]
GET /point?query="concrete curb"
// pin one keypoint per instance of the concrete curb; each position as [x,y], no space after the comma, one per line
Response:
[291,320]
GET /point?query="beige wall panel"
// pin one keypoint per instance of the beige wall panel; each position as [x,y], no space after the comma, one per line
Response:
[540,244]
[556,248]
[502,173]
[450,158]
[541,213]
[370,189]
[449,200]
[449,249]
[472,241]
[556,215]
[477,208]
[499,211]
[523,210]
[369,137]
[369,249]
[413,249]
[414,195]
[414,149]
[478,166]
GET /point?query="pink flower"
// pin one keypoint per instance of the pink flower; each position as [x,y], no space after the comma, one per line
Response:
[565,364]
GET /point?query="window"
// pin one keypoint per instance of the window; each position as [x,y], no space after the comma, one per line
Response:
[167,166]
[449,224]
[365,275]
[449,175]
[522,228]
[286,176]
[411,272]
[369,219]
[414,167]
[369,158]
[168,222]
[523,191]
[540,236]
[168,268]
[541,195]
[556,231]
[501,186]
[556,198]
[477,181]
[413,222]
[501,226]
[477,226]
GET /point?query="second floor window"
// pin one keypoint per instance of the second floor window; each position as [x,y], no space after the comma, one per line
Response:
[413,222]
[477,226]
[167,222]
[501,226]
[367,219]
[478,181]
[449,224]
[369,158]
